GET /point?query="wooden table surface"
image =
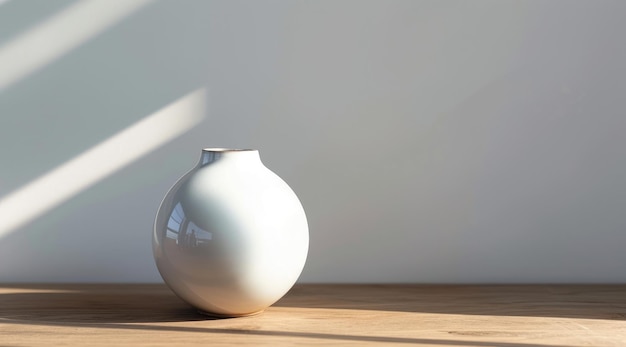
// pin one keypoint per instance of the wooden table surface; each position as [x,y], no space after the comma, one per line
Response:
[430,315]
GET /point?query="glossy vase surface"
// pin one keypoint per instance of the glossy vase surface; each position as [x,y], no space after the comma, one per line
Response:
[230,237]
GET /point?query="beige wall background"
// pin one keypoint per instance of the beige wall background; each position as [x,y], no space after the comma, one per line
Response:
[429,141]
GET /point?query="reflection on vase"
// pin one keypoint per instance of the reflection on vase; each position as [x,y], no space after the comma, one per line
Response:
[185,233]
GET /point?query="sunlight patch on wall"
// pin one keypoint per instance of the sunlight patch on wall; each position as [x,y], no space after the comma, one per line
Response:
[65,181]
[59,34]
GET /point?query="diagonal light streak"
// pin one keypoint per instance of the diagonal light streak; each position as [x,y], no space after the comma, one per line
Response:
[100,161]
[59,34]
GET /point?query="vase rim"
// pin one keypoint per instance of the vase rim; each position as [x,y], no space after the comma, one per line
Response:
[222,150]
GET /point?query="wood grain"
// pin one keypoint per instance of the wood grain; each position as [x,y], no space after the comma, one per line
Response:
[150,315]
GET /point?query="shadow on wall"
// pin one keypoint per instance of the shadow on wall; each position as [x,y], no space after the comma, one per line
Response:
[449,142]
[89,88]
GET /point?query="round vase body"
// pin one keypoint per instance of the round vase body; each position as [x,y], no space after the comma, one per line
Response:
[230,237]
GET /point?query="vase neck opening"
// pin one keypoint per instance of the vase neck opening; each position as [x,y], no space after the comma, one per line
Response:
[210,155]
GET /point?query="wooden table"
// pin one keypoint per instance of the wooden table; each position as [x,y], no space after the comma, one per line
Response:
[431,315]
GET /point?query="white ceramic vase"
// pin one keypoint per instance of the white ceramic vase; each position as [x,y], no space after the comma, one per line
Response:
[230,237]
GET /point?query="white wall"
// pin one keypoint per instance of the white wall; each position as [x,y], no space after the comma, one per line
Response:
[429,141]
